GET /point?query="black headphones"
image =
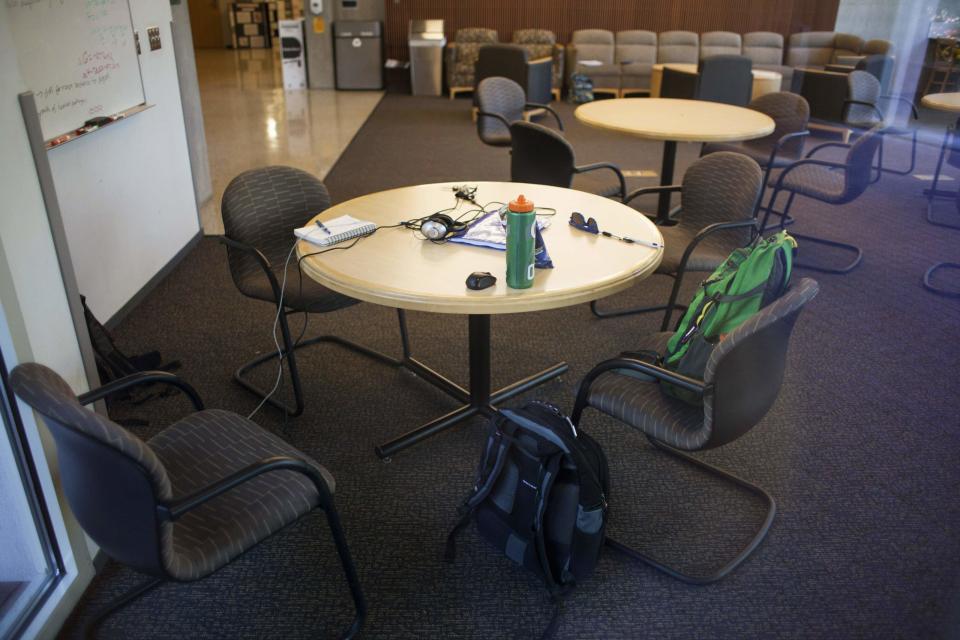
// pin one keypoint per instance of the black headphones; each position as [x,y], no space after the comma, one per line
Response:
[440,226]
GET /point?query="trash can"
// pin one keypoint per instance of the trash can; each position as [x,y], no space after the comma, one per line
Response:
[358,51]
[426,57]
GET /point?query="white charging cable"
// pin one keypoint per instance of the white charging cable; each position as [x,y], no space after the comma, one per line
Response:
[276,321]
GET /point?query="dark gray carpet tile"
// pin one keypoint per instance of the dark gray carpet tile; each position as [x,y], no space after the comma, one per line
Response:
[859,450]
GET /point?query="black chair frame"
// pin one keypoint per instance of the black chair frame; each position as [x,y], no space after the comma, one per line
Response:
[171,511]
[928,279]
[290,346]
[785,218]
[528,107]
[696,386]
[702,235]
[949,141]
[913,134]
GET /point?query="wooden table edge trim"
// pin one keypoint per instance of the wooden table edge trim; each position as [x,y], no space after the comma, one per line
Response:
[518,304]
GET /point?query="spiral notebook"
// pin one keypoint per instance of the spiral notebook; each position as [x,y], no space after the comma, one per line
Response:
[334,231]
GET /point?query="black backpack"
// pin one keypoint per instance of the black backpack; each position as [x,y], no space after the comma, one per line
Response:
[540,497]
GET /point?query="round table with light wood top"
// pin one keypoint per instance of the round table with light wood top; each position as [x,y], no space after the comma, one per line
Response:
[764,81]
[674,120]
[397,267]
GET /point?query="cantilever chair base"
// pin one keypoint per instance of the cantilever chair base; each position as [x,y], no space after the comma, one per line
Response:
[847,268]
[737,560]
[930,217]
[928,276]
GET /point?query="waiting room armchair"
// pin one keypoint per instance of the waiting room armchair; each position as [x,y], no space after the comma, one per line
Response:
[513,61]
[866,107]
[190,500]
[462,55]
[260,209]
[636,53]
[720,43]
[501,102]
[816,49]
[741,382]
[542,156]
[765,50]
[718,204]
[592,52]
[541,43]
[830,182]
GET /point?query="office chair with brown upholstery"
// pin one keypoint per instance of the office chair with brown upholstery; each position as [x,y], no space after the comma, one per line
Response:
[190,500]
[741,382]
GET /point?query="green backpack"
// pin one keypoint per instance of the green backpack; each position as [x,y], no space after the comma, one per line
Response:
[748,280]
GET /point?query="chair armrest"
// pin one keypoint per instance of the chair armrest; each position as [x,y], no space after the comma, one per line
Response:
[173,510]
[839,145]
[261,259]
[800,163]
[584,168]
[487,114]
[673,188]
[847,104]
[632,364]
[709,230]
[536,105]
[784,139]
[141,378]
[907,101]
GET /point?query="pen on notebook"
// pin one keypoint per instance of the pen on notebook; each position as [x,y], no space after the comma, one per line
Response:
[643,243]
[324,228]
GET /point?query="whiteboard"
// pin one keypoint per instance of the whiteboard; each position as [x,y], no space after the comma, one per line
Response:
[78,57]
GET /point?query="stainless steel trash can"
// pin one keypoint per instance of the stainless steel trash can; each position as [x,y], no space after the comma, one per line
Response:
[426,57]
[358,51]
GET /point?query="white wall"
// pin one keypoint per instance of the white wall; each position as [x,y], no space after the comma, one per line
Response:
[35,321]
[126,191]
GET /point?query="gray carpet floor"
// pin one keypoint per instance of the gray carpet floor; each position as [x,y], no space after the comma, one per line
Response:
[860,450]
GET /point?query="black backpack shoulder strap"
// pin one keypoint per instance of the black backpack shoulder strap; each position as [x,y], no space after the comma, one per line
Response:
[550,471]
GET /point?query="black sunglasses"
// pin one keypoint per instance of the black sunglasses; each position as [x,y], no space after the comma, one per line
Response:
[590,225]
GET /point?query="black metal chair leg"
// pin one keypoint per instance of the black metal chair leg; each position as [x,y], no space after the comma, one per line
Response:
[847,268]
[118,603]
[928,276]
[289,354]
[624,312]
[913,159]
[349,569]
[740,557]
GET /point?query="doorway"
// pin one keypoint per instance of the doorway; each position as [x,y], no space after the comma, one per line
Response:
[206,24]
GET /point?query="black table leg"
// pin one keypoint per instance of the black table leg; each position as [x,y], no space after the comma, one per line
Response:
[479,401]
[666,179]
[949,142]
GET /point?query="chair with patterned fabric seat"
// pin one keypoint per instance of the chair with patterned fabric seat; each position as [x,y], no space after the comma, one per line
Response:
[790,114]
[501,102]
[541,43]
[866,107]
[741,382]
[718,199]
[260,209]
[190,500]
[829,182]
[462,55]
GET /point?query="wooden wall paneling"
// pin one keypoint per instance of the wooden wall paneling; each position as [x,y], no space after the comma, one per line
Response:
[564,16]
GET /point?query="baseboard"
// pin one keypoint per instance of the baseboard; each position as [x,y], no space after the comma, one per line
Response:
[146,289]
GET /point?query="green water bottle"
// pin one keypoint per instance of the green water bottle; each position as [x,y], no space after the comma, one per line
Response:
[521,241]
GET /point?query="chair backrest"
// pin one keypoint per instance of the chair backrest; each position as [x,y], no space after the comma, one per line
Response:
[877,47]
[726,79]
[678,46]
[747,367]
[503,97]
[531,38]
[790,113]
[112,479]
[678,84]
[262,207]
[636,45]
[476,35]
[879,66]
[720,43]
[506,60]
[811,48]
[593,44]
[720,187]
[859,163]
[862,87]
[846,44]
[763,47]
[540,155]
